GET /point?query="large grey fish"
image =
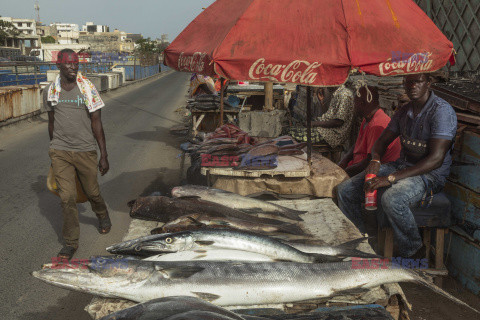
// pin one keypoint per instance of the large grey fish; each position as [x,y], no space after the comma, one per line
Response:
[228,283]
[200,221]
[164,209]
[216,238]
[164,308]
[234,201]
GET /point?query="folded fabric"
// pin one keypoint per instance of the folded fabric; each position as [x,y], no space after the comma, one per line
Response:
[91,96]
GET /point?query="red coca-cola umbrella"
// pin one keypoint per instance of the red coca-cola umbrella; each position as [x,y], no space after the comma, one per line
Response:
[309,42]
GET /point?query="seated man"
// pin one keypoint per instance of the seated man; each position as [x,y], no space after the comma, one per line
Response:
[333,126]
[426,126]
[374,122]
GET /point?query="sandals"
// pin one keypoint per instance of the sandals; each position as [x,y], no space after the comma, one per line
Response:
[67,252]
[104,225]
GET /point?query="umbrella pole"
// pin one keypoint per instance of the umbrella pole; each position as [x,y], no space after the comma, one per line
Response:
[309,125]
[222,88]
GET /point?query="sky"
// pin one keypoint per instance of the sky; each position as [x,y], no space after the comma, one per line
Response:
[151,18]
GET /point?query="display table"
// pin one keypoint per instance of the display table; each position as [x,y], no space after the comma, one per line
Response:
[327,225]
[323,178]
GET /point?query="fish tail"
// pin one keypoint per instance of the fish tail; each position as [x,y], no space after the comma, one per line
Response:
[292,214]
[352,244]
[291,228]
[321,258]
[423,278]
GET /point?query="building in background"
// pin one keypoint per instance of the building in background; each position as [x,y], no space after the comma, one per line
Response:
[66,33]
[27,39]
[91,27]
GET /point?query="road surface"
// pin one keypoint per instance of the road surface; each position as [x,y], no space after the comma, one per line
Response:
[142,156]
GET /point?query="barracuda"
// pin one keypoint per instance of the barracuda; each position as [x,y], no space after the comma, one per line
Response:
[217,239]
[227,283]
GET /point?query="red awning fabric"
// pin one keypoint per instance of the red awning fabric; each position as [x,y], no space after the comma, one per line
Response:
[309,42]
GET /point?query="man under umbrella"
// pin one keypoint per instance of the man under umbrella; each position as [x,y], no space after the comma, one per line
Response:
[426,126]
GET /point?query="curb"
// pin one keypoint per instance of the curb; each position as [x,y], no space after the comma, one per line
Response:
[35,114]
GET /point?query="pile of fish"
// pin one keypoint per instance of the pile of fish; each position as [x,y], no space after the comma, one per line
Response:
[225,249]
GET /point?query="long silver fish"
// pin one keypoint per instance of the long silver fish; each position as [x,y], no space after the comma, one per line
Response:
[227,283]
[216,238]
[234,201]
[344,250]
[164,308]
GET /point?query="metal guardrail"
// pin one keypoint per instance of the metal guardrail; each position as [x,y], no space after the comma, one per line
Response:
[28,72]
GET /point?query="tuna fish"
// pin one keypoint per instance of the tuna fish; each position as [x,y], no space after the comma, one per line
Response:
[234,201]
[216,239]
[227,283]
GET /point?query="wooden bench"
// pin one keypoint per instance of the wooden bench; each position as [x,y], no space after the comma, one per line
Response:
[436,218]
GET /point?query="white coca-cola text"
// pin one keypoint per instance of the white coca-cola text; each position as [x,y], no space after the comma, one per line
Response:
[297,71]
[193,63]
[418,62]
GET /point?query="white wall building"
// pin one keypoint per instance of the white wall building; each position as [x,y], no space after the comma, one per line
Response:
[66,27]
[27,27]
[91,27]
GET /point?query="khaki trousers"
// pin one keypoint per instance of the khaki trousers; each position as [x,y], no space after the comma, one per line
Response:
[65,164]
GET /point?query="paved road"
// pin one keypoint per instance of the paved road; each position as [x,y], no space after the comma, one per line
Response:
[142,157]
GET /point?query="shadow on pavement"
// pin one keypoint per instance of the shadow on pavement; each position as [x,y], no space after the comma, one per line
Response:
[64,309]
[50,207]
[160,134]
[162,180]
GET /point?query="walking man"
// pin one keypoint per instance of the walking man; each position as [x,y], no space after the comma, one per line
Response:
[74,124]
[426,126]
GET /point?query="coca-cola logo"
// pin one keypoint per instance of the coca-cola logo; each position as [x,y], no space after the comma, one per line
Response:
[417,62]
[193,63]
[298,71]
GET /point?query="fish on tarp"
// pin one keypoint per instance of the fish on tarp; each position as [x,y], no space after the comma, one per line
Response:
[234,201]
[201,221]
[344,250]
[216,239]
[163,308]
[164,209]
[228,283]
[211,255]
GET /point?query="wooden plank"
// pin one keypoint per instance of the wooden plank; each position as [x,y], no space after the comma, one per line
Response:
[463,262]
[465,203]
[468,118]
[268,96]
[468,172]
[439,246]
[388,253]
[427,237]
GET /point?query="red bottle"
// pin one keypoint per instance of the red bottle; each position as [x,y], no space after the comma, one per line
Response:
[370,197]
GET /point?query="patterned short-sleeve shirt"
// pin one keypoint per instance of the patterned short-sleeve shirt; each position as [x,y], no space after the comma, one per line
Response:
[341,108]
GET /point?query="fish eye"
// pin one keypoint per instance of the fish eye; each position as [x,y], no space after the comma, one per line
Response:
[138,248]
[168,240]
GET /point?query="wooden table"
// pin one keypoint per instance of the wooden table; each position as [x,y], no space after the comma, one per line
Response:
[199,115]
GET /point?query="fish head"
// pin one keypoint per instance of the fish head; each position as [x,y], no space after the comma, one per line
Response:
[135,246]
[178,192]
[169,242]
[95,274]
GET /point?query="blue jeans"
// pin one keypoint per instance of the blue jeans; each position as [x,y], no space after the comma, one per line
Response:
[396,202]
